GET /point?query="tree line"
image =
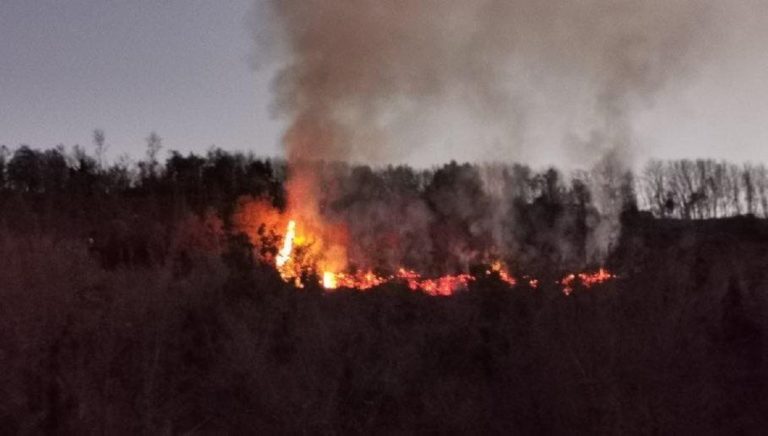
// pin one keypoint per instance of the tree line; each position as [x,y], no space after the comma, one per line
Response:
[704,189]
[680,189]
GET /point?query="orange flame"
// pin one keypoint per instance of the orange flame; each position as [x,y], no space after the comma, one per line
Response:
[285,253]
[319,249]
[586,279]
[440,286]
[499,269]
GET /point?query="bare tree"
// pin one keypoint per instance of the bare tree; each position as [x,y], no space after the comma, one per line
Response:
[154,144]
[703,189]
[749,188]
[99,142]
[735,181]
[761,186]
[654,188]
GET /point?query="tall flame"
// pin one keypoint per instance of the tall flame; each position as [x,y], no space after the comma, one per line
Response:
[285,253]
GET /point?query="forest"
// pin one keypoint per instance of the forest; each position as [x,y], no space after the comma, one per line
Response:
[134,299]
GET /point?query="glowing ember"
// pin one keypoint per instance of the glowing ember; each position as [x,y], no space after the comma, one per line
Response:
[586,279]
[440,286]
[601,276]
[360,280]
[499,269]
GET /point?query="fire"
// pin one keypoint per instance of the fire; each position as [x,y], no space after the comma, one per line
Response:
[499,269]
[363,280]
[306,242]
[438,286]
[441,286]
[284,256]
[330,281]
[313,248]
[586,279]
[285,253]
[360,280]
[315,257]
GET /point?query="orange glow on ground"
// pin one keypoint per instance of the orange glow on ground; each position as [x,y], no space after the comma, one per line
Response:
[320,250]
[587,280]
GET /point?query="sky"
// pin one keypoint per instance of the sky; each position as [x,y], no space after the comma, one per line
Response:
[185,69]
[179,67]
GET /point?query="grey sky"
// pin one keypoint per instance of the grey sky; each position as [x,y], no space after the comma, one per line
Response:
[182,68]
[179,67]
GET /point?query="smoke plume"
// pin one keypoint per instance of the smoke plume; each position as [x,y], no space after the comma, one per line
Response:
[377,81]
[373,81]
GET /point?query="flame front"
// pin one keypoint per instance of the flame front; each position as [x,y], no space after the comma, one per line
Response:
[587,280]
[440,286]
[304,254]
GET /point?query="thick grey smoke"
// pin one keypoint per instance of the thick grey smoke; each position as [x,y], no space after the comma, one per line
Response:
[375,80]
[380,81]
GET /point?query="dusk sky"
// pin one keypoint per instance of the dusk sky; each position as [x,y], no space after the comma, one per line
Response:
[180,67]
[185,69]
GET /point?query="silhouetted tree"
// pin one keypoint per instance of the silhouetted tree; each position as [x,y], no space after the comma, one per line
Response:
[3,166]
[460,232]
[54,170]
[83,172]
[99,143]
[120,176]
[149,168]
[703,189]
[185,174]
[24,170]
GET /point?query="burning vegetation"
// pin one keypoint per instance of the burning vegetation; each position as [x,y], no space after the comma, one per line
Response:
[295,266]
[357,228]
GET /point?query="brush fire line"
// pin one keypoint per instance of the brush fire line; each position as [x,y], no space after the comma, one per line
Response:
[446,285]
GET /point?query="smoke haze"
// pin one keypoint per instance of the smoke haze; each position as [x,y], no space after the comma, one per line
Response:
[377,81]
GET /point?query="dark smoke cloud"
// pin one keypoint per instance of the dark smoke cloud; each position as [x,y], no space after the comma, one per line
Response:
[373,80]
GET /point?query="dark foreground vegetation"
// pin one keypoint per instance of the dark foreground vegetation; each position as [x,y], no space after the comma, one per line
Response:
[130,304]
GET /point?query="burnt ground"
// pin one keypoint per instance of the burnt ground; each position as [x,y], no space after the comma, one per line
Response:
[678,344]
